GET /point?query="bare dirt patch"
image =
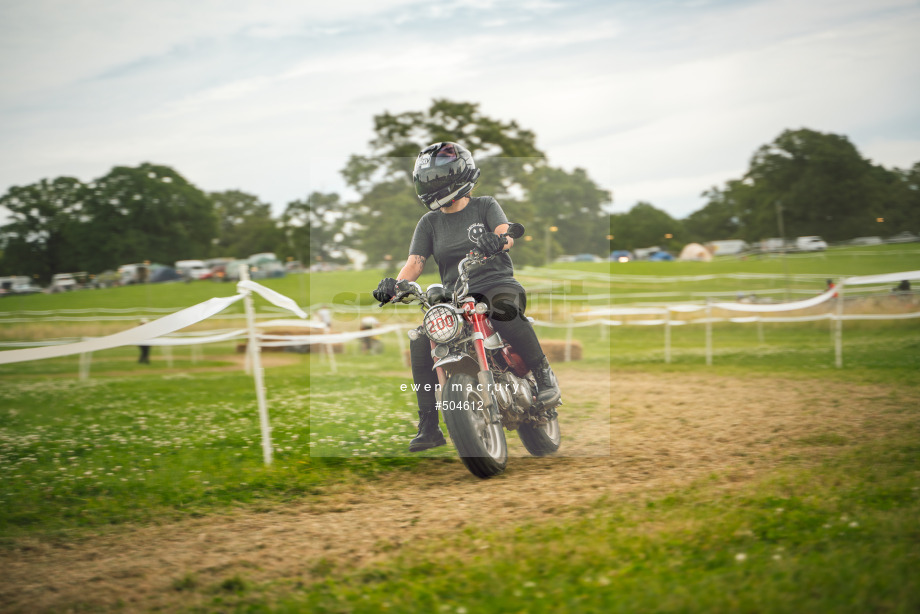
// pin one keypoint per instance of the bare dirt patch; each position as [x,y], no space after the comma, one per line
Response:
[664,432]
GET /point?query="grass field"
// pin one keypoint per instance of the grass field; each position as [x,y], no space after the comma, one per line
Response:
[771,481]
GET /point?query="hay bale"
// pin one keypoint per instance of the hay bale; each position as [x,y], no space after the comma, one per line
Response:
[555,349]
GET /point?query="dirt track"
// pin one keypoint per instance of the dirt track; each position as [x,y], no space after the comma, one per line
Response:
[664,431]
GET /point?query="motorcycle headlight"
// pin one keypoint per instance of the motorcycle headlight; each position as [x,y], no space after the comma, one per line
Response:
[442,324]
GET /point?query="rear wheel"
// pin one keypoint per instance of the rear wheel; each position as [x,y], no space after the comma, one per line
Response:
[479,442]
[541,439]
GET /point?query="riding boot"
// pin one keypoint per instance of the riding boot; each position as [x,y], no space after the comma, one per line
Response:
[429,433]
[548,393]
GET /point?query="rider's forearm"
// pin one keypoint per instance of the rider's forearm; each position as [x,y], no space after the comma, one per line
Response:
[412,269]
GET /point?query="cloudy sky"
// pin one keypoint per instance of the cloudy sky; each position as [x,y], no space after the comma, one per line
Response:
[658,100]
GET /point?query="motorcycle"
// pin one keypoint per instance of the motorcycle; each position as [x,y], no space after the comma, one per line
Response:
[483,384]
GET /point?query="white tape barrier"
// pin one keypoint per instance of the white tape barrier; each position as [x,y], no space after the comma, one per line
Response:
[575,324]
[33,344]
[292,324]
[139,311]
[888,278]
[764,307]
[174,341]
[543,273]
[145,333]
[275,298]
[265,340]
[220,316]
[287,340]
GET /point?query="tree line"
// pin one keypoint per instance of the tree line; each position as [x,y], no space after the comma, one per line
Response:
[152,213]
[804,183]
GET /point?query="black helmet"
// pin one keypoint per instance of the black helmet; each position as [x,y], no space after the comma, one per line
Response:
[444,172]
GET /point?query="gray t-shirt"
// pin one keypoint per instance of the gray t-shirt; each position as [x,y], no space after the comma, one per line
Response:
[450,236]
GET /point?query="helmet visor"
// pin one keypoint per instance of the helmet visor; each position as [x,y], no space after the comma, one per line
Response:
[445,155]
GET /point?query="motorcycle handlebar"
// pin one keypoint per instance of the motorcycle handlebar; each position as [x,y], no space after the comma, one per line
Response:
[403,289]
[477,259]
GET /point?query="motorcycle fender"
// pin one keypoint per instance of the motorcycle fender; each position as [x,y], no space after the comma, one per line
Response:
[458,363]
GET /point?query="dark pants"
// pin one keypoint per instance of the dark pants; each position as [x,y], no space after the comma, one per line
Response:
[506,312]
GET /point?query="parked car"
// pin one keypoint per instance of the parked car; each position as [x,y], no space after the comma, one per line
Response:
[62,282]
[772,245]
[265,265]
[134,273]
[728,247]
[160,273]
[661,257]
[621,255]
[587,258]
[810,244]
[643,253]
[904,237]
[294,266]
[866,241]
[17,284]
[231,270]
[193,269]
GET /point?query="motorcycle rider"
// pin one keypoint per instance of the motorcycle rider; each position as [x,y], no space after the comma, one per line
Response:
[454,224]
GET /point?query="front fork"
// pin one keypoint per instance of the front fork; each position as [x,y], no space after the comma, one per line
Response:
[486,379]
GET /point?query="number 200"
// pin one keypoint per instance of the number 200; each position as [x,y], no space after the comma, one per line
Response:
[440,323]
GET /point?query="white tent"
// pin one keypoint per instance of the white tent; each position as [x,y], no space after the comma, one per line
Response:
[695,251]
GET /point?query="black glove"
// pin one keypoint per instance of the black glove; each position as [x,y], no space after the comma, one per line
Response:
[490,243]
[386,290]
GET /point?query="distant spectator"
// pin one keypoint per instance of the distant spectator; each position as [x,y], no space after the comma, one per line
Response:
[902,287]
[368,323]
[830,286]
[145,349]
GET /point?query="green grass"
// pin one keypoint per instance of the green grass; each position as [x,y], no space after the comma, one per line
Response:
[77,455]
[149,444]
[837,537]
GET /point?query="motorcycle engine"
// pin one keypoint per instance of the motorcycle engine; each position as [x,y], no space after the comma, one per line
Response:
[513,392]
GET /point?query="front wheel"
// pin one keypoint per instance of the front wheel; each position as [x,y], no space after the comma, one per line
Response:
[479,441]
[541,439]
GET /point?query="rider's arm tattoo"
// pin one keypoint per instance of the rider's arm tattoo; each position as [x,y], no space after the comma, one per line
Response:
[418,260]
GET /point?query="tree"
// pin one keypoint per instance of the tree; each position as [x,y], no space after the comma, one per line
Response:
[388,211]
[150,212]
[245,226]
[646,226]
[312,227]
[820,181]
[131,214]
[514,170]
[900,210]
[719,219]
[504,151]
[39,238]
[573,203]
